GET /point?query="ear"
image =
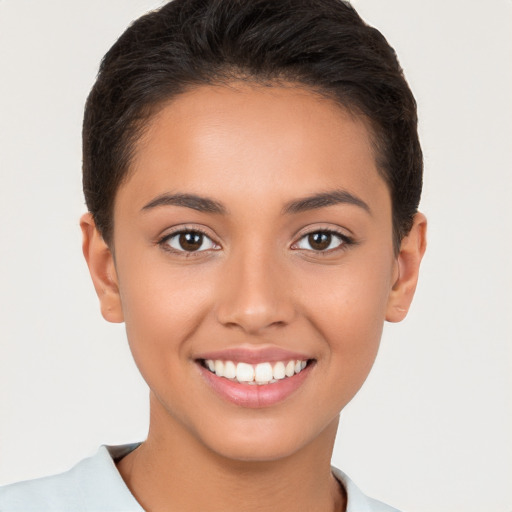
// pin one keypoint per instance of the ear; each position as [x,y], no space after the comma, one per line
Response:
[102,269]
[408,262]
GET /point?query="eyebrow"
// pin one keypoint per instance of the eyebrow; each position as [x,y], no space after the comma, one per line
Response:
[207,205]
[195,202]
[324,199]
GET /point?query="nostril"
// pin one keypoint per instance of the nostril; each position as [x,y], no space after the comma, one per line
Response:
[252,300]
[253,321]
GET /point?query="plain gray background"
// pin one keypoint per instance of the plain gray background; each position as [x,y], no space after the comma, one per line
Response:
[431,428]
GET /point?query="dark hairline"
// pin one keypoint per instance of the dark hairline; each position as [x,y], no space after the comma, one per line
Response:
[187,43]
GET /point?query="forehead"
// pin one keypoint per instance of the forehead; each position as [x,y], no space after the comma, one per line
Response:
[258,140]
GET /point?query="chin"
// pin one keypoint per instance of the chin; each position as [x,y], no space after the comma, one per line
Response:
[255,454]
[256,451]
[268,441]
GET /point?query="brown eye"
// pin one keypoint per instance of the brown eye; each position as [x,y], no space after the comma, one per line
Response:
[190,241]
[321,241]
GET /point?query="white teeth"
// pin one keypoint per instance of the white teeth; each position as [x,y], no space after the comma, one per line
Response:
[290,369]
[219,368]
[262,373]
[229,370]
[278,372]
[244,372]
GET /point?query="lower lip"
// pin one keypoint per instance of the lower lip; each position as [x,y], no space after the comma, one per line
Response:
[255,396]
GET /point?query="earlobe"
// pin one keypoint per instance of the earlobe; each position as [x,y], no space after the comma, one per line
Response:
[102,269]
[409,258]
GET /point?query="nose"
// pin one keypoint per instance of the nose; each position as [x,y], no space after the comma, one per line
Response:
[255,294]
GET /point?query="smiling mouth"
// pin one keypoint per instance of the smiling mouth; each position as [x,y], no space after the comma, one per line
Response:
[255,374]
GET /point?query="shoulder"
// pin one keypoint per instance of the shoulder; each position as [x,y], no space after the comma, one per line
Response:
[357,501]
[93,484]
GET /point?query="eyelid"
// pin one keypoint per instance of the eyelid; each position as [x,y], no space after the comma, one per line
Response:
[178,230]
[346,240]
[315,227]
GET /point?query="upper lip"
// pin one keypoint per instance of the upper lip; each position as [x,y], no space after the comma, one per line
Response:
[253,355]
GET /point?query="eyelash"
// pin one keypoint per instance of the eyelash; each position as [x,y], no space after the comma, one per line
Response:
[345,241]
[164,242]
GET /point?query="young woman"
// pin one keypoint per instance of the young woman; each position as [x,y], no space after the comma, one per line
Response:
[252,172]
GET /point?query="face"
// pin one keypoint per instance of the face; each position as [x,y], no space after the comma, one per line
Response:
[254,266]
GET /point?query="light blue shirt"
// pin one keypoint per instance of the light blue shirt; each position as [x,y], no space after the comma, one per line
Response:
[95,485]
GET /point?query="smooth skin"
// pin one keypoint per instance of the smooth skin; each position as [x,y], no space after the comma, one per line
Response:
[254,278]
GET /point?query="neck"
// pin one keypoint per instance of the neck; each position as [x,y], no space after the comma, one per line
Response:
[172,470]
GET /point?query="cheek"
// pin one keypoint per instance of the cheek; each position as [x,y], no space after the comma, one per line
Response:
[351,296]
[162,306]
[347,305]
